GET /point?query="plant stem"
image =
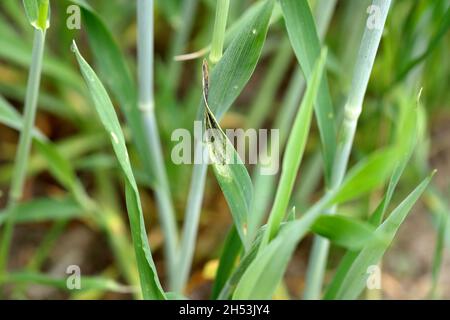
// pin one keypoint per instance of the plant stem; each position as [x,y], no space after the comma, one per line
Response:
[146,104]
[191,219]
[352,110]
[23,151]
[220,24]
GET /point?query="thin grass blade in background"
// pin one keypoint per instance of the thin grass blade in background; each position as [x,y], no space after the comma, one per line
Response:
[44,209]
[86,282]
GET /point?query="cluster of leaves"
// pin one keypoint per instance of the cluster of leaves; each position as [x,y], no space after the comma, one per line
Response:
[255,255]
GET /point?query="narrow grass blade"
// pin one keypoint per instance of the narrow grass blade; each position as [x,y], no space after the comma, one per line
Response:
[150,285]
[72,148]
[264,273]
[86,282]
[58,165]
[43,209]
[112,65]
[344,231]
[405,144]
[294,152]
[229,169]
[406,138]
[351,112]
[11,118]
[368,174]
[220,25]
[230,252]
[305,42]
[355,278]
[437,203]
[441,31]
[31,10]
[233,71]
[244,263]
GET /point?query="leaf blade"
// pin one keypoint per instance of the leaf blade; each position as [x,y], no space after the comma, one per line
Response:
[306,44]
[150,285]
[355,278]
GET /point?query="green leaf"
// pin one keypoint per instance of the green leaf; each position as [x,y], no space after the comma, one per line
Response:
[263,273]
[230,172]
[306,44]
[175,296]
[368,174]
[44,209]
[344,231]
[438,205]
[31,10]
[266,271]
[244,263]
[434,42]
[233,71]
[230,252]
[406,137]
[18,52]
[112,65]
[38,13]
[11,118]
[86,282]
[60,167]
[150,285]
[72,148]
[354,280]
[294,151]
[405,143]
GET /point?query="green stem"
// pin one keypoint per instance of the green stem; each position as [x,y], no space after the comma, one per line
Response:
[146,103]
[24,145]
[191,220]
[220,25]
[352,110]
